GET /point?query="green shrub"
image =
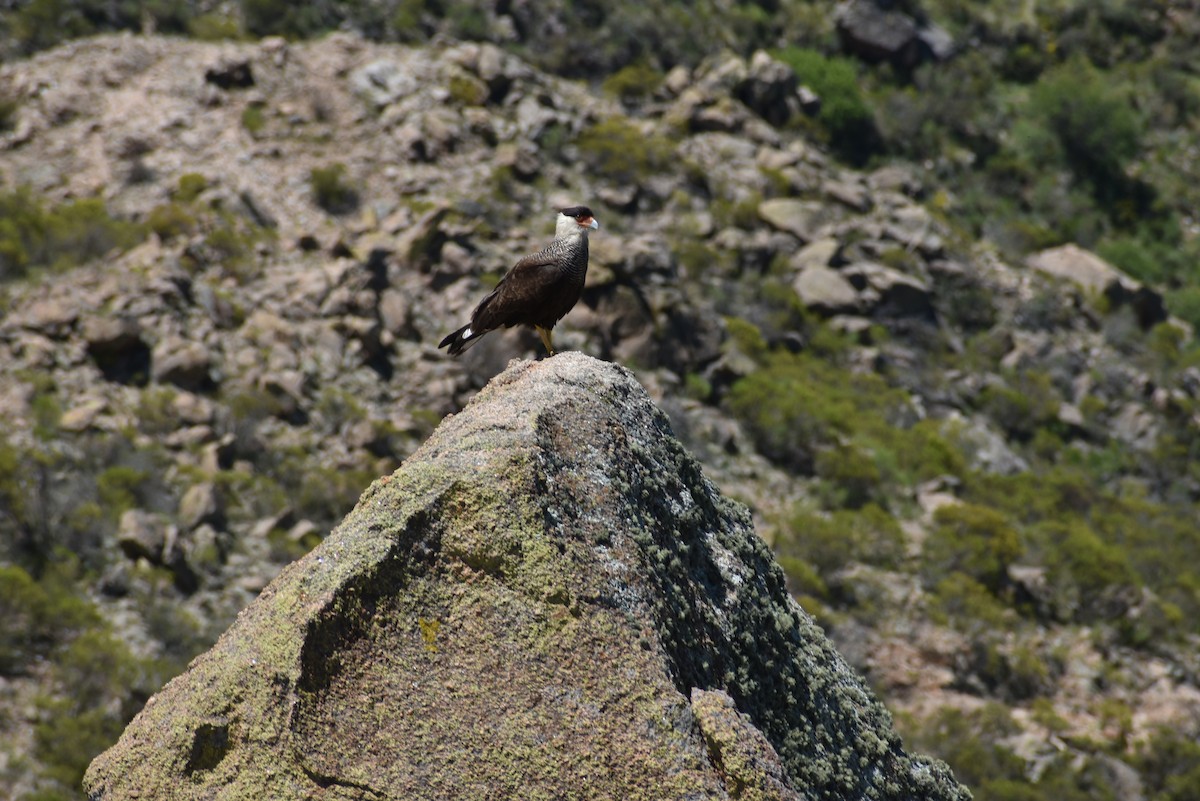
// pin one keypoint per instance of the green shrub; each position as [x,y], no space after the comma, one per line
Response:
[37,616]
[974,540]
[232,242]
[746,337]
[46,416]
[1090,117]
[170,220]
[9,106]
[634,82]
[1022,408]
[254,118]
[828,543]
[407,19]
[617,149]
[32,237]
[467,90]
[920,453]
[844,112]
[1184,303]
[44,23]
[852,478]
[799,403]
[191,185]
[966,604]
[101,686]
[214,27]
[1169,764]
[736,212]
[331,191]
[120,487]
[293,20]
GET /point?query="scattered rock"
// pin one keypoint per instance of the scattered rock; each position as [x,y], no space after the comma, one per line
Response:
[1079,266]
[116,346]
[183,363]
[200,505]
[874,31]
[826,291]
[769,88]
[53,317]
[142,535]
[81,417]
[1098,277]
[821,253]
[796,217]
[986,449]
[1135,426]
[890,293]
[848,194]
[230,72]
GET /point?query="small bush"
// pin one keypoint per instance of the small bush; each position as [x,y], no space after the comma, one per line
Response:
[120,488]
[1021,409]
[33,237]
[293,20]
[191,185]
[844,113]
[467,90]
[214,28]
[102,687]
[1091,118]
[634,82]
[9,106]
[170,220]
[233,243]
[331,191]
[617,149]
[869,535]
[974,540]
[799,403]
[965,603]
[851,477]
[37,616]
[1185,304]
[254,118]
[1169,764]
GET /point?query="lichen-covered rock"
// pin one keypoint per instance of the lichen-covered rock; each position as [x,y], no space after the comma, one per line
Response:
[524,610]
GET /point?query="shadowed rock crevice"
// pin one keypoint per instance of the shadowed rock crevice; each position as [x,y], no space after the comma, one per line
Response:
[548,599]
[209,747]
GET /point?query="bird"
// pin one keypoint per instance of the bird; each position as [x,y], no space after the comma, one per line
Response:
[539,289]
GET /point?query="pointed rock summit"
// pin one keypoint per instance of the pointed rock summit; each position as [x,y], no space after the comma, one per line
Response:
[547,600]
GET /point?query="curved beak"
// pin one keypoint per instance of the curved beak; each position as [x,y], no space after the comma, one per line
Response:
[593,224]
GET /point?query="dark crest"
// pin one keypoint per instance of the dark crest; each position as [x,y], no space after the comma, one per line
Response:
[578,212]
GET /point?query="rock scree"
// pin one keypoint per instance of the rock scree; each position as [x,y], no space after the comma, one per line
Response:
[548,600]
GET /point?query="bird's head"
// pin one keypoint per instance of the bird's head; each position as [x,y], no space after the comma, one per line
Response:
[574,221]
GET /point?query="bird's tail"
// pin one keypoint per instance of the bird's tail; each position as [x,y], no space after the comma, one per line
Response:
[461,339]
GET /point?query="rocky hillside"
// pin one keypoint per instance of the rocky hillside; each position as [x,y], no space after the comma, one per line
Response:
[226,267]
[524,610]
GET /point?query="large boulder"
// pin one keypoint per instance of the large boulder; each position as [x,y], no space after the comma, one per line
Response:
[874,31]
[1098,277]
[547,600]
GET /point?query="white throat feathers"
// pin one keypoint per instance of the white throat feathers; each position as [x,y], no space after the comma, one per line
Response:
[567,228]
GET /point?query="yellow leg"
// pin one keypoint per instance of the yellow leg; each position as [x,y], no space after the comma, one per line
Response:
[547,339]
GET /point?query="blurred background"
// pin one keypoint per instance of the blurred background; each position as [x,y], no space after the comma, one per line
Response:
[916,281]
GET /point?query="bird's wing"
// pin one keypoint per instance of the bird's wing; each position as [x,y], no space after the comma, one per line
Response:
[516,291]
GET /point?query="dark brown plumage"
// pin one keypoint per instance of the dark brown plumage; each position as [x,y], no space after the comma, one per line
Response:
[539,289]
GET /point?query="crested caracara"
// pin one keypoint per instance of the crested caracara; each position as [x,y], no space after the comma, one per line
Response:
[539,289]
